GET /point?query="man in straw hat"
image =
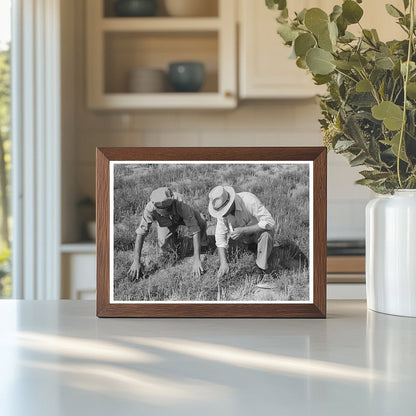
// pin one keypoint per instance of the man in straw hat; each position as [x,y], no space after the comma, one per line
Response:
[169,212]
[242,218]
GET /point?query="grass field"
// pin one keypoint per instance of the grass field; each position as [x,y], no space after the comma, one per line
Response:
[282,188]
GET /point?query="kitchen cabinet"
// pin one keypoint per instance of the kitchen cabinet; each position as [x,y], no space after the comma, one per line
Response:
[265,69]
[346,276]
[118,45]
[78,263]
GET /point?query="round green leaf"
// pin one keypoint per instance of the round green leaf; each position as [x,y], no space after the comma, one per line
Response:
[328,38]
[342,25]
[395,144]
[319,61]
[351,11]
[333,32]
[384,62]
[344,65]
[303,43]
[358,61]
[301,15]
[325,42]
[287,33]
[322,79]
[363,86]
[391,114]
[375,35]
[411,90]
[336,12]
[276,4]
[393,11]
[301,63]
[316,20]
[412,67]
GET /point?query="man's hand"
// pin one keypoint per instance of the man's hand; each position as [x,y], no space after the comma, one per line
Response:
[223,270]
[237,233]
[135,270]
[197,269]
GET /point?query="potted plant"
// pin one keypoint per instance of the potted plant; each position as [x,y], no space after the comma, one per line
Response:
[368,116]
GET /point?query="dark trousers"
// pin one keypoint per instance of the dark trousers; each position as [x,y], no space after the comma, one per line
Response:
[167,237]
[263,241]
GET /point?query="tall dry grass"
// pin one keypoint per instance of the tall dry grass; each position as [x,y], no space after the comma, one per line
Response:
[283,189]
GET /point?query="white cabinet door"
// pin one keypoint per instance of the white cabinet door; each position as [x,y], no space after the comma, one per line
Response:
[265,68]
[78,276]
[376,17]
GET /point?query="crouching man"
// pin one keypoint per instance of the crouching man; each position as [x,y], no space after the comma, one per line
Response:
[169,213]
[244,219]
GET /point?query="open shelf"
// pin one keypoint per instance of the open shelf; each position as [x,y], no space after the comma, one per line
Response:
[160,24]
[126,51]
[87,247]
[119,45]
[167,100]
[210,10]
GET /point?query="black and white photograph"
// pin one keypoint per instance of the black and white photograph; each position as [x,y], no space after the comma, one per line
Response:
[210,232]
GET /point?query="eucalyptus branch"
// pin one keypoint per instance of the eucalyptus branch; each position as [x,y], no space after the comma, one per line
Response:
[342,49]
[346,75]
[398,95]
[409,134]
[404,28]
[369,40]
[392,91]
[373,88]
[364,60]
[406,79]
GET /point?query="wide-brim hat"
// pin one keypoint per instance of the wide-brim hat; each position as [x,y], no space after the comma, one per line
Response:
[161,196]
[220,200]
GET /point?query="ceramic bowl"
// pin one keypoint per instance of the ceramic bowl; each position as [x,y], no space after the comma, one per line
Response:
[147,80]
[191,8]
[135,8]
[186,76]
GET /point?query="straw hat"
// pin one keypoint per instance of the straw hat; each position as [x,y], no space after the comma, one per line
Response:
[220,200]
[160,196]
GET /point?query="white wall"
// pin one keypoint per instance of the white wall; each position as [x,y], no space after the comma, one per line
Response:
[255,123]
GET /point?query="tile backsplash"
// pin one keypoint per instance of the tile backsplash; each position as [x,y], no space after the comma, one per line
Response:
[253,123]
[257,123]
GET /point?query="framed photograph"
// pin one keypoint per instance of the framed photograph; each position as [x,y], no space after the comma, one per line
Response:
[211,232]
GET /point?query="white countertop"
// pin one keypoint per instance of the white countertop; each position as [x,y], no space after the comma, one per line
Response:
[57,358]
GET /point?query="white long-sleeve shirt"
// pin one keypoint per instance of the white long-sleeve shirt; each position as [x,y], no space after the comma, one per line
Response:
[248,211]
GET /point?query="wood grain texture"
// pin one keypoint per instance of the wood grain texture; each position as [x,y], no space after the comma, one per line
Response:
[345,278]
[317,309]
[319,229]
[346,264]
[103,231]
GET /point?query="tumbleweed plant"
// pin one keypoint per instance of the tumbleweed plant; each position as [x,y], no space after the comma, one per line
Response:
[369,111]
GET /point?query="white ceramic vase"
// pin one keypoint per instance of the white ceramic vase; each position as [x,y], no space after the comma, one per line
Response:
[391,253]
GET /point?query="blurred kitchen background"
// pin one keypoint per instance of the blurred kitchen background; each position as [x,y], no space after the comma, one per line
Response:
[119,88]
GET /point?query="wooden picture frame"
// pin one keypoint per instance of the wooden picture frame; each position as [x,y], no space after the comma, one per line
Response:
[314,157]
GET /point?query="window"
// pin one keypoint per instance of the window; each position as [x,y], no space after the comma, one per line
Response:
[5,147]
